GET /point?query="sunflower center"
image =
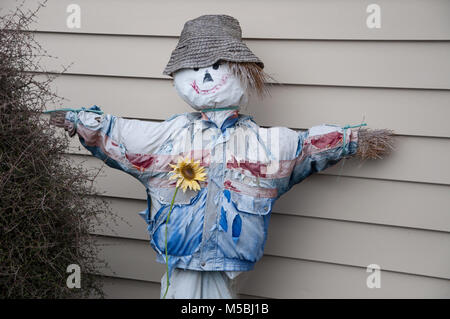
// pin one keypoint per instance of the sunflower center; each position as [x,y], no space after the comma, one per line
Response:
[188,172]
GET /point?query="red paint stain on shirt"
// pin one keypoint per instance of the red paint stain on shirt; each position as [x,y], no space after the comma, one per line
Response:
[254,168]
[142,161]
[327,140]
[229,186]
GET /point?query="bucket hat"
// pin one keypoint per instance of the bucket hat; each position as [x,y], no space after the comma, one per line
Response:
[208,39]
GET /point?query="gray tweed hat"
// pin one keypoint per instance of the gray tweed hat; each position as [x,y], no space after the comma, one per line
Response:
[207,39]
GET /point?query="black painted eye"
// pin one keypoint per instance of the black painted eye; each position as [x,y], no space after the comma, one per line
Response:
[216,65]
[195,69]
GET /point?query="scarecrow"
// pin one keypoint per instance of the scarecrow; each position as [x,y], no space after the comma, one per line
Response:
[230,170]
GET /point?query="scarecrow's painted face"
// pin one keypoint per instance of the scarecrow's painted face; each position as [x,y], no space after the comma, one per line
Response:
[211,87]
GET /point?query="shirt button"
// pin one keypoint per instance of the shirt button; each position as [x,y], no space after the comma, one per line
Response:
[203,264]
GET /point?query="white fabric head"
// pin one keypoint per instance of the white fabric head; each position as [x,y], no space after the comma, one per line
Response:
[210,87]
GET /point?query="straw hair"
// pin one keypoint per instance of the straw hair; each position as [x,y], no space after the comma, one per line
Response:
[252,77]
[208,39]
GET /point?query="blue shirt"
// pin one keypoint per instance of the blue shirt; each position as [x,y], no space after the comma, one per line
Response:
[222,227]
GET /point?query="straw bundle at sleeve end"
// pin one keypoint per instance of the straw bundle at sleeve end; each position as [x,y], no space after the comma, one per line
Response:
[374,143]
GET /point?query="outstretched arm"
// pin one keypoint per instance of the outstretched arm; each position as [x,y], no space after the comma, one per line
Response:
[325,145]
[116,141]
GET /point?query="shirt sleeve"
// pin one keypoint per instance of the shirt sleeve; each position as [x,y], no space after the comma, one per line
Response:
[320,147]
[122,144]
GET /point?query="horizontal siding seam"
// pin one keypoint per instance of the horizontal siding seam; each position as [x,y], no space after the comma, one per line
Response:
[278,83]
[389,180]
[328,174]
[269,83]
[360,267]
[300,259]
[306,216]
[140,35]
[363,222]
[157,283]
[292,128]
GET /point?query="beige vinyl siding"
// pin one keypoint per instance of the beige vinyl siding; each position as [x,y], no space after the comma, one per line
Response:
[410,112]
[281,19]
[395,64]
[120,288]
[334,241]
[411,153]
[280,277]
[341,204]
[332,69]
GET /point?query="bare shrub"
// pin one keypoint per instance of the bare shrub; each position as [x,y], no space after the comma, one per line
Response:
[47,203]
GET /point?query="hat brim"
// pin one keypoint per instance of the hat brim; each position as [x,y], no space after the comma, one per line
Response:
[203,52]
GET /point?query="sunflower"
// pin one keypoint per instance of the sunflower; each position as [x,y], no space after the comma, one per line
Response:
[188,173]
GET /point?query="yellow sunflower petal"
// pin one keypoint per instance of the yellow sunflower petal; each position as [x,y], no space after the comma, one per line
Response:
[194,173]
[196,186]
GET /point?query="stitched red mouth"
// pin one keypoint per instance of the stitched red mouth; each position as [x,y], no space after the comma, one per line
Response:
[212,90]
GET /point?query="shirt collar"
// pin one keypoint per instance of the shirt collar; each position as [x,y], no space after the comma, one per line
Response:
[228,121]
